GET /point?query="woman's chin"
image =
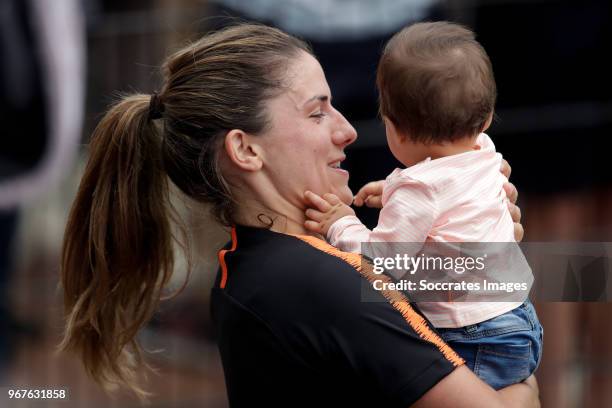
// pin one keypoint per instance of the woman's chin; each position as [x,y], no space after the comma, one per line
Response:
[345,195]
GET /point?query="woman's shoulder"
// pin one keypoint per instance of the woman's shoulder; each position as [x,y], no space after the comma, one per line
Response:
[287,280]
[274,261]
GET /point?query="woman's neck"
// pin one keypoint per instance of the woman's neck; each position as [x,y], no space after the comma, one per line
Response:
[276,214]
[260,204]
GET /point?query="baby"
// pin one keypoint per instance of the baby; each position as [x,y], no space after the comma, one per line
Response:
[437,97]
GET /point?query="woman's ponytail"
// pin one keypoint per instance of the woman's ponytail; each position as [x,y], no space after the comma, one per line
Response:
[117,253]
[118,246]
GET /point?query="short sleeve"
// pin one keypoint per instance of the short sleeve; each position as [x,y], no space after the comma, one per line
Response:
[384,343]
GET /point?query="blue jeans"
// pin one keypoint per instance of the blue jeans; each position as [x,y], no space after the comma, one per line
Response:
[503,350]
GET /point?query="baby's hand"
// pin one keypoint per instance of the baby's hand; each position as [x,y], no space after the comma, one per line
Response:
[370,195]
[324,212]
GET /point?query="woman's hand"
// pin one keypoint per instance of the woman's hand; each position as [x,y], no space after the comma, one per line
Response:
[531,397]
[462,389]
[512,194]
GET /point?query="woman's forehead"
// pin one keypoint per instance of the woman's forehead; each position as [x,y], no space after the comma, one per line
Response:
[307,81]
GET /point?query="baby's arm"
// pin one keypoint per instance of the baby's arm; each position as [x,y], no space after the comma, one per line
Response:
[370,194]
[325,211]
[408,216]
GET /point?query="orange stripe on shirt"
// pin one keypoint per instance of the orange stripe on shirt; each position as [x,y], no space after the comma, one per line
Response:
[222,258]
[397,299]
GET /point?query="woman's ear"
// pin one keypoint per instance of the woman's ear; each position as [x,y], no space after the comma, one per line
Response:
[241,150]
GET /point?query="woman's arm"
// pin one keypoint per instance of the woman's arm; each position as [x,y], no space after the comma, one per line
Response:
[463,389]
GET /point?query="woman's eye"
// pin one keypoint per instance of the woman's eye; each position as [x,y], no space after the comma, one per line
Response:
[318,115]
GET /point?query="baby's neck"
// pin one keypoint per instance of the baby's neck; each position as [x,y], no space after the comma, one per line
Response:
[421,151]
[463,145]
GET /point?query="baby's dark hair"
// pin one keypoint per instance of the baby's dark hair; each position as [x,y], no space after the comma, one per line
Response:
[436,83]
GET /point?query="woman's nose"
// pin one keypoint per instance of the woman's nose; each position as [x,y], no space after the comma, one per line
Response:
[345,134]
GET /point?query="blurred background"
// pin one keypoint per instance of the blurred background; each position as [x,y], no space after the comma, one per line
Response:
[63,62]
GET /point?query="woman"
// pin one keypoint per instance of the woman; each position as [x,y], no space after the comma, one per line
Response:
[244,122]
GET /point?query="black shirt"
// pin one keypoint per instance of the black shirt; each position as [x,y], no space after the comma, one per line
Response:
[293,330]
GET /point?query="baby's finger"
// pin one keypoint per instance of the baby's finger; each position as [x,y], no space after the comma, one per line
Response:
[371,188]
[316,201]
[313,226]
[357,201]
[314,215]
[360,198]
[331,198]
[374,201]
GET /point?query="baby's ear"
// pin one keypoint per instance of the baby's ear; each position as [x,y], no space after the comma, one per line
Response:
[392,130]
[488,122]
[389,125]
